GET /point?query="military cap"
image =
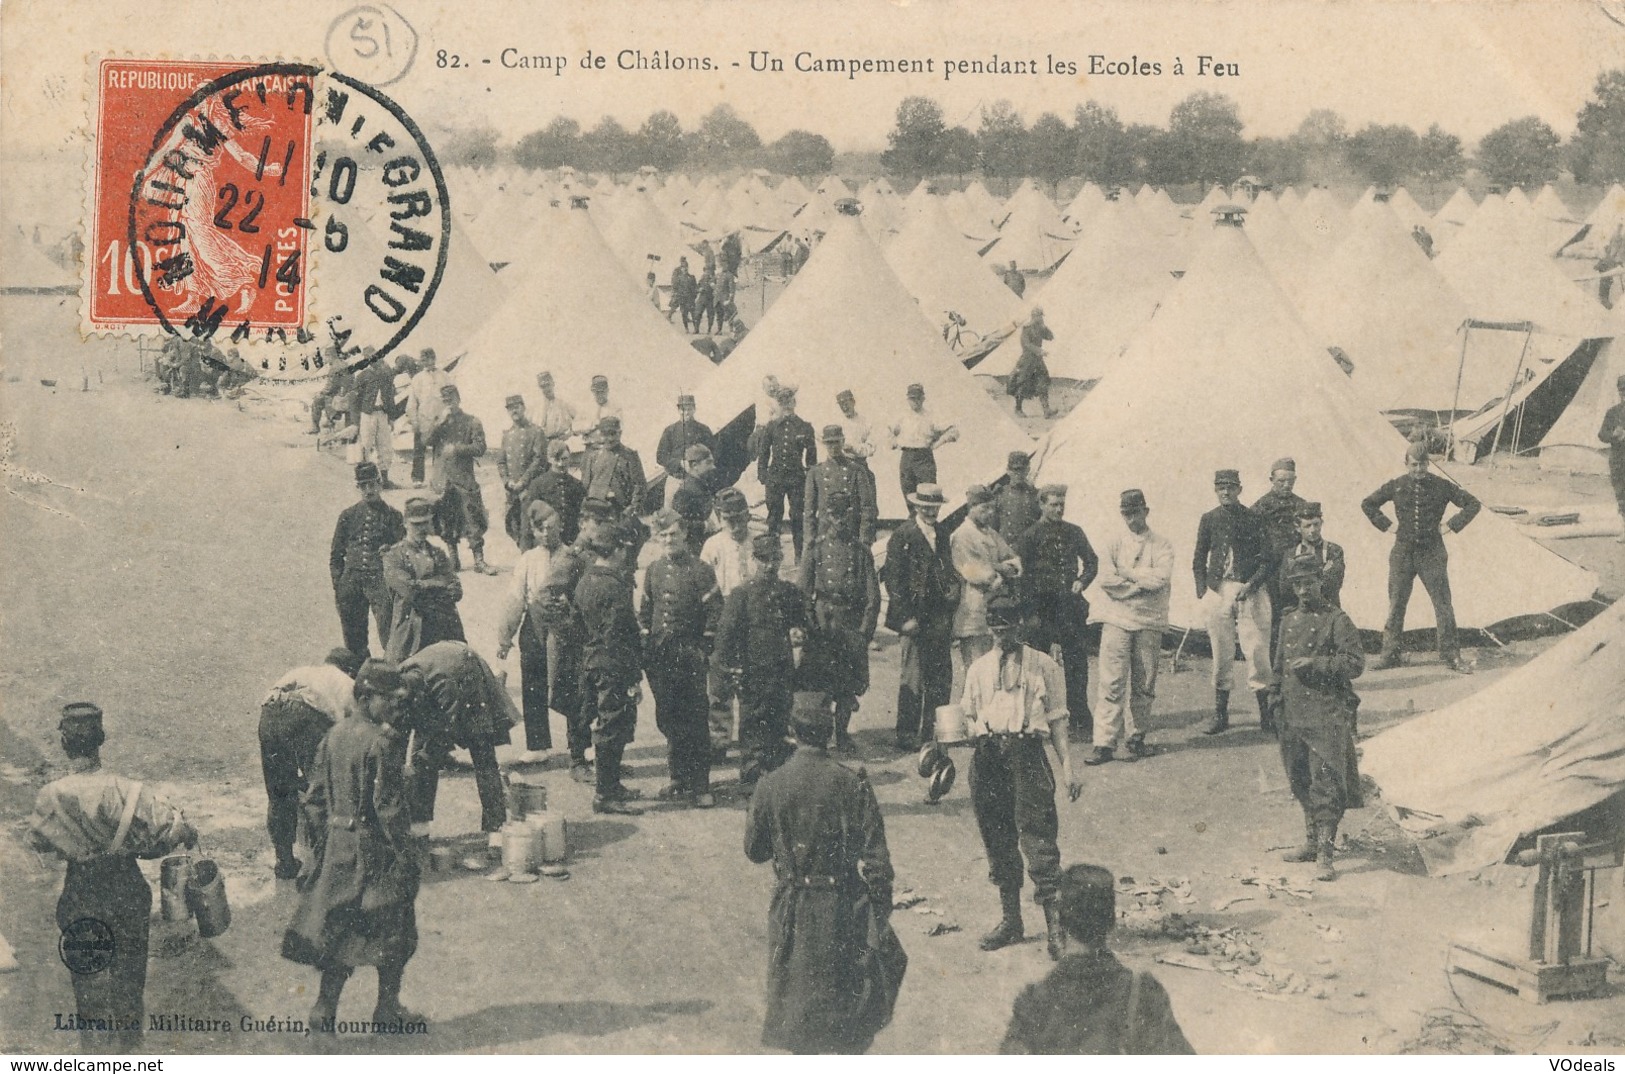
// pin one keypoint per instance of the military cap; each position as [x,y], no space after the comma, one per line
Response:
[546,375]
[1002,611]
[832,433]
[845,395]
[419,509]
[600,381]
[1049,491]
[916,391]
[1018,460]
[540,511]
[1302,567]
[696,453]
[812,717]
[344,660]
[685,400]
[1288,464]
[1308,509]
[609,423]
[1132,500]
[786,393]
[598,509]
[1417,451]
[765,546]
[665,519]
[628,533]
[378,677]
[449,391]
[978,494]
[1227,477]
[732,502]
[80,716]
[1087,901]
[514,400]
[367,471]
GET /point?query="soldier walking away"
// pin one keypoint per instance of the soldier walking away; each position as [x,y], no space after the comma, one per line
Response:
[1318,659]
[679,614]
[356,561]
[525,617]
[611,661]
[101,823]
[1612,433]
[1092,1004]
[1232,566]
[1277,509]
[922,590]
[423,586]
[788,449]
[1419,500]
[357,905]
[521,461]
[294,718]
[1057,564]
[1015,700]
[917,436]
[835,966]
[705,301]
[458,442]
[1135,574]
[754,648]
[1014,280]
[842,590]
[840,475]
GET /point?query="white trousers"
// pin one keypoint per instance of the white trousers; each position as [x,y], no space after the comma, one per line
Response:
[1128,682]
[377,439]
[1248,622]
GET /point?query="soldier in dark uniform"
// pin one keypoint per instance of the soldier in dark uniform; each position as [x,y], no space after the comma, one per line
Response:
[458,441]
[358,905]
[1232,564]
[753,646]
[922,590]
[1318,659]
[521,461]
[356,561]
[705,310]
[611,661]
[1612,433]
[679,614]
[1091,1004]
[1419,500]
[678,436]
[423,585]
[1015,502]
[1333,566]
[819,824]
[294,718]
[558,488]
[1057,564]
[568,633]
[840,475]
[683,293]
[695,499]
[614,472]
[838,578]
[101,823]
[788,448]
[1278,510]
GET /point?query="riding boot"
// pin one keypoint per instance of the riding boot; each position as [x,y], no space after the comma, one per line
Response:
[1052,926]
[1010,929]
[480,566]
[1311,842]
[1221,713]
[1266,710]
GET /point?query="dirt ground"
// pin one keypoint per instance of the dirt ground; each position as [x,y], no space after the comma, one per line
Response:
[166,558]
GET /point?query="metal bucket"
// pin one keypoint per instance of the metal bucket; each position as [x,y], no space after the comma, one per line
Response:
[518,848]
[206,897]
[950,724]
[555,838]
[174,872]
[529,799]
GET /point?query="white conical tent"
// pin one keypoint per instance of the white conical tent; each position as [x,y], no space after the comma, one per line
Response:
[1452,217]
[1548,205]
[939,269]
[1033,235]
[1290,260]
[1605,220]
[575,311]
[1409,212]
[1088,201]
[1216,196]
[847,322]
[1117,273]
[1320,219]
[642,236]
[1571,443]
[1378,298]
[1182,402]
[1525,753]
[977,228]
[1289,200]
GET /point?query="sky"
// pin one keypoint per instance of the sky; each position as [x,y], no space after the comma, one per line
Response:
[1468,65]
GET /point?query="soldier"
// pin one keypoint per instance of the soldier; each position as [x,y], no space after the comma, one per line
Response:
[1015,699]
[1419,500]
[294,717]
[556,418]
[1277,509]
[1232,566]
[1612,433]
[679,614]
[1091,1004]
[375,399]
[728,553]
[839,581]
[356,561]
[753,645]
[839,475]
[424,409]
[611,661]
[987,565]
[601,407]
[1318,659]
[521,461]
[917,436]
[101,823]
[858,442]
[614,472]
[525,617]
[458,441]
[787,450]
[695,499]
[423,586]
[820,825]
[559,489]
[677,437]
[922,590]
[1015,504]
[568,633]
[359,905]
[684,291]
[1135,574]
[1333,566]
[1058,563]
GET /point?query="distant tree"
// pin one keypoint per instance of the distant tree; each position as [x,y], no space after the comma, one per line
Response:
[1149,154]
[1524,152]
[1204,140]
[555,145]
[802,154]
[1278,161]
[915,144]
[1051,150]
[724,140]
[1320,141]
[1439,158]
[1597,150]
[1101,150]
[1001,140]
[1321,128]
[959,152]
[1384,154]
[660,141]
[609,147]
[474,147]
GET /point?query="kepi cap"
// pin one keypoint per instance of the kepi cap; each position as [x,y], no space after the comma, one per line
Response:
[449,391]
[514,400]
[378,677]
[1018,460]
[1287,464]
[665,519]
[696,453]
[1308,509]
[977,495]
[765,546]
[1052,490]
[1132,500]
[367,471]
[600,381]
[732,502]
[1302,567]
[1227,477]
[419,509]
[832,433]
[685,400]
[916,391]
[80,716]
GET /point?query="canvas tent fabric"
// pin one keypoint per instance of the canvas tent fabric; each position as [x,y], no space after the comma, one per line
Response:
[643,238]
[1182,402]
[1521,755]
[847,322]
[1320,218]
[939,269]
[1571,443]
[573,309]
[1588,240]
[1033,235]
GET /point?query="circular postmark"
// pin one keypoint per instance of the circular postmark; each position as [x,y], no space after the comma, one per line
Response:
[372,43]
[86,946]
[295,213]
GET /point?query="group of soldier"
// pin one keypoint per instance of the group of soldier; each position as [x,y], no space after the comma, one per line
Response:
[188,366]
[707,304]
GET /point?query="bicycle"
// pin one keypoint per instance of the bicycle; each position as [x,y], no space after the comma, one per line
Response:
[958,335]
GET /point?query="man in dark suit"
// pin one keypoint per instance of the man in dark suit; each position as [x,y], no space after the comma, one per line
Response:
[356,560]
[922,590]
[753,645]
[788,448]
[1232,567]
[678,436]
[838,577]
[840,476]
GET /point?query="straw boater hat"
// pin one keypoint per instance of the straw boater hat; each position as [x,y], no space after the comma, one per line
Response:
[927,495]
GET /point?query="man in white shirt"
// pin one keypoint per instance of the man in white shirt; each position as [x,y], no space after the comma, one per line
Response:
[424,409]
[860,443]
[294,717]
[728,554]
[917,435]
[1135,570]
[602,408]
[525,617]
[1014,701]
[555,417]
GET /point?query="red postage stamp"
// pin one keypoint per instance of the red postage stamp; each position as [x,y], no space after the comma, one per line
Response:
[200,218]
